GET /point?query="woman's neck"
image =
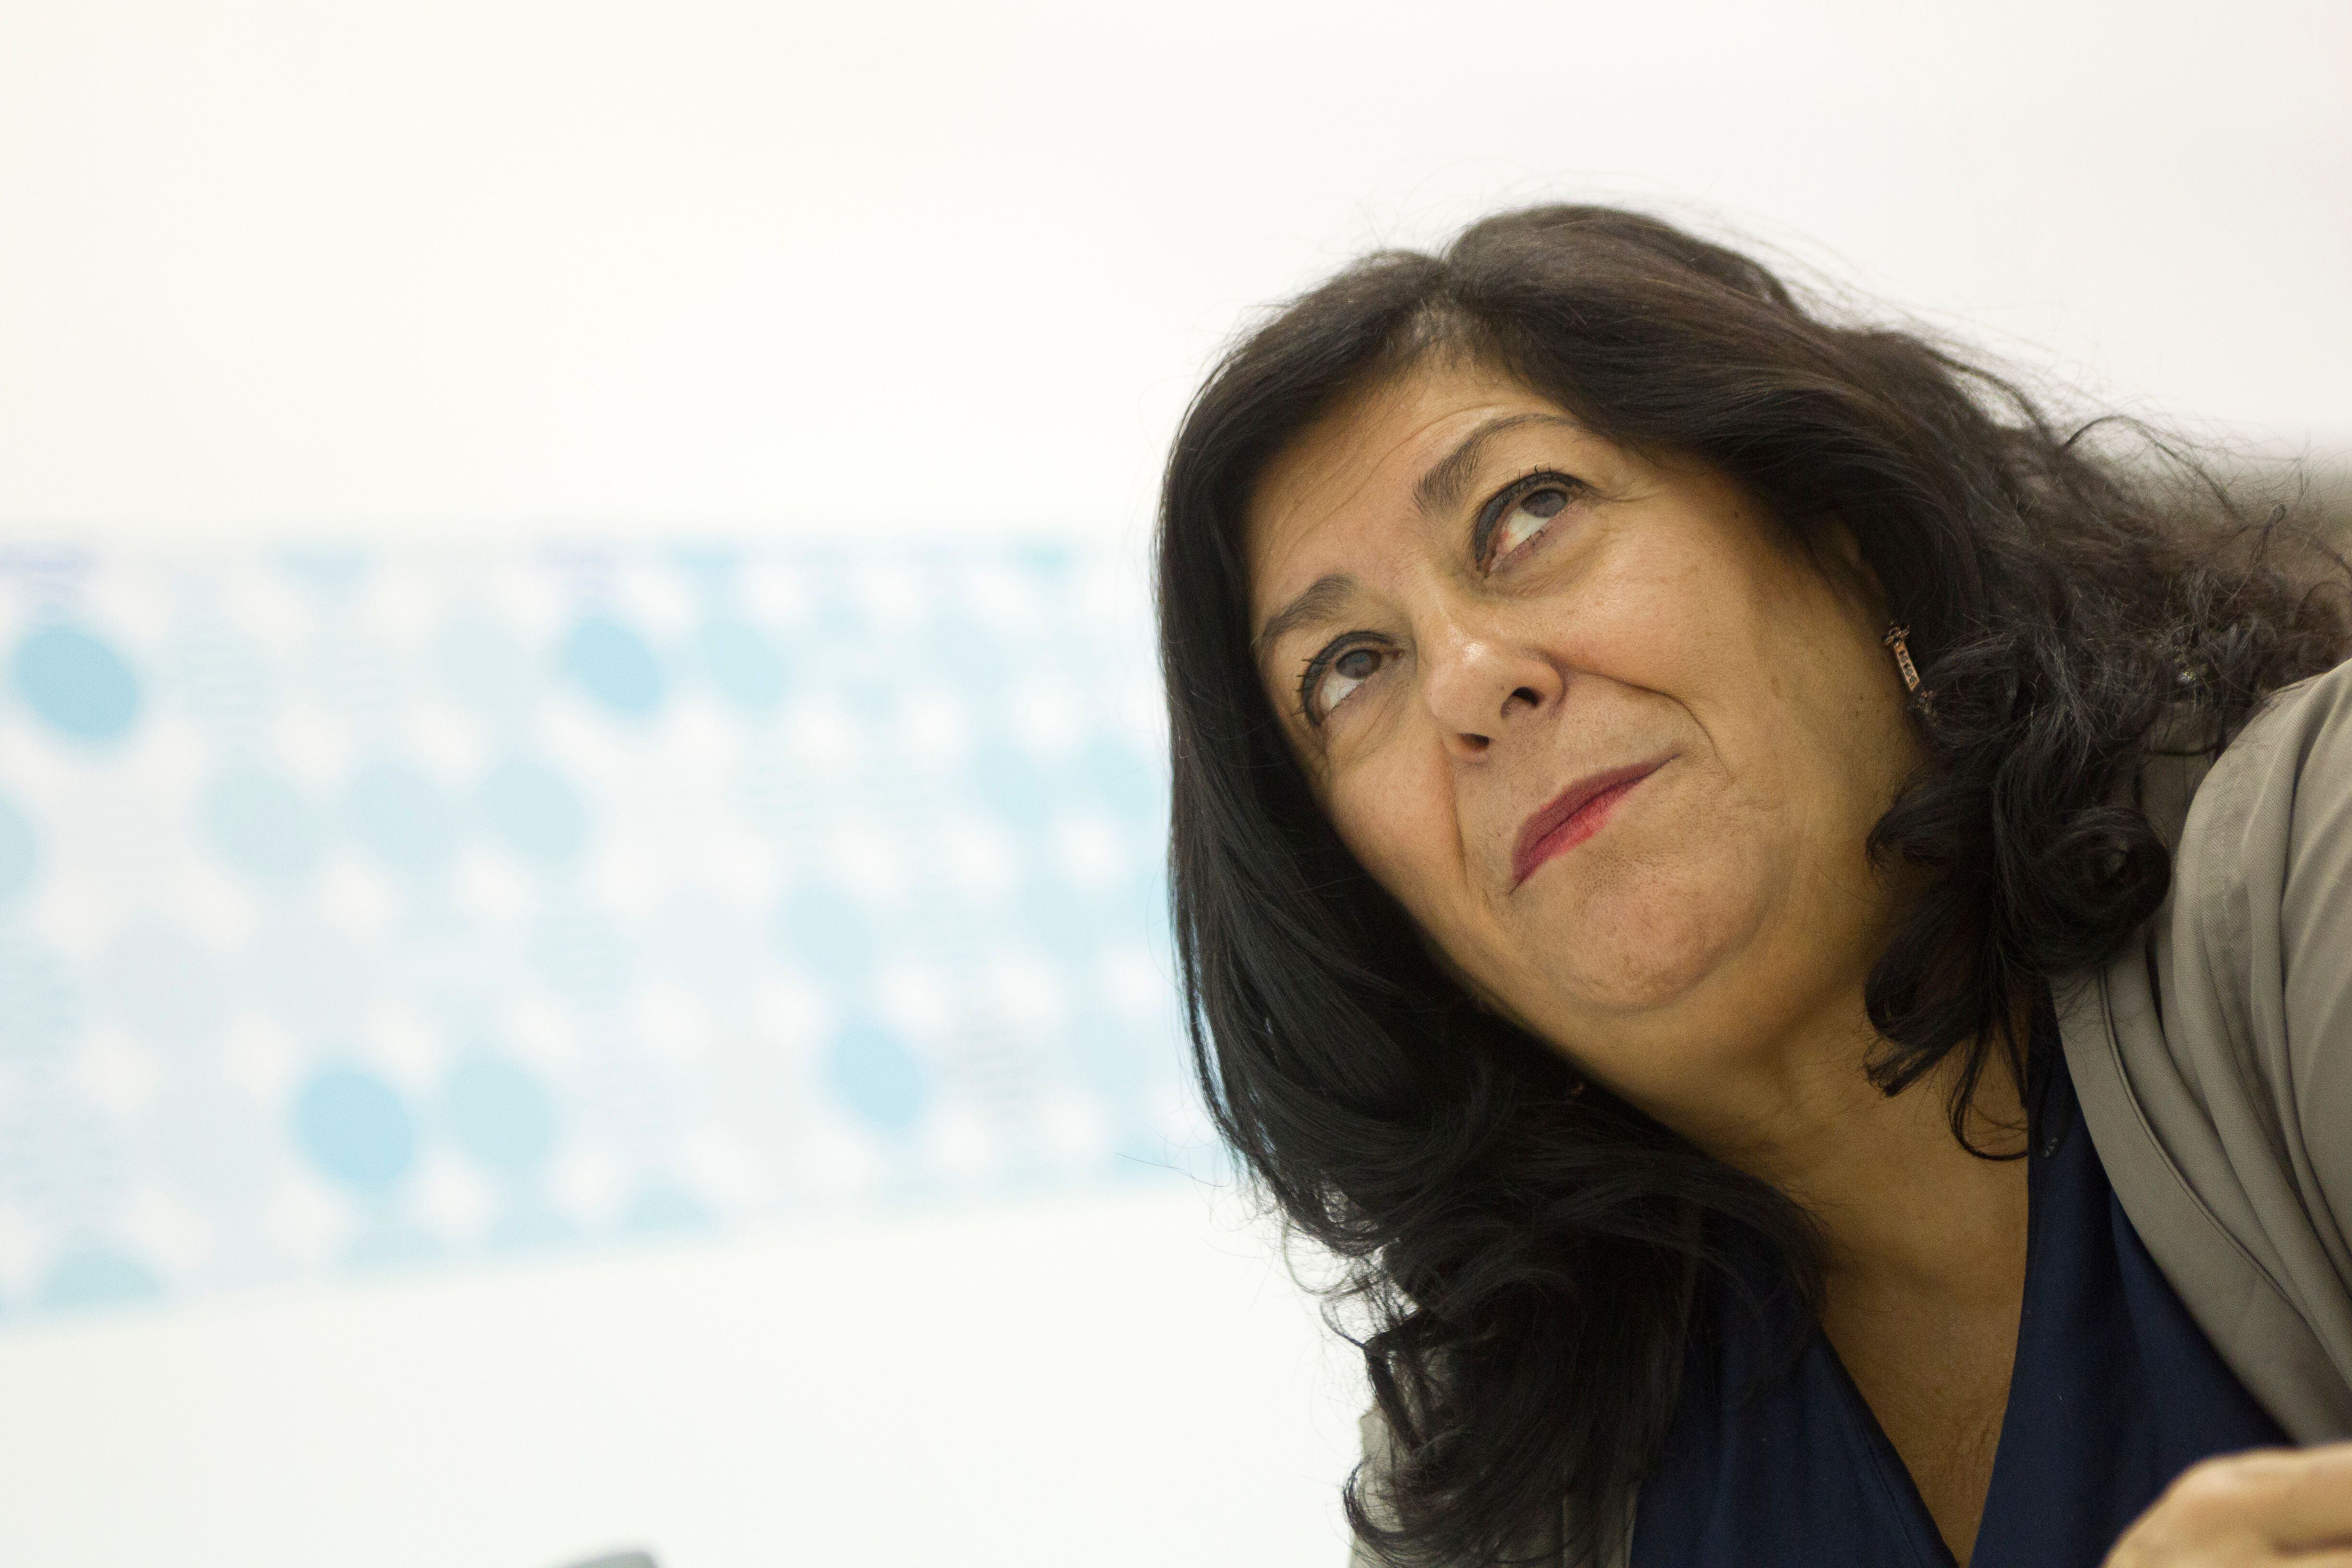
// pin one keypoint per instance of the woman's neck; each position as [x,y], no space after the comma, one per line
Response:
[1924,1254]
[1901,1205]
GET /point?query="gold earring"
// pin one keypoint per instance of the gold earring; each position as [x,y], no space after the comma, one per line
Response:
[1894,639]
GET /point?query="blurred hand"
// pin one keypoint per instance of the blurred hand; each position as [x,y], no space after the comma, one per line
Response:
[2286,1506]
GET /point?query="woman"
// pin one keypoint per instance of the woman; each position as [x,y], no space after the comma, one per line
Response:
[1793,921]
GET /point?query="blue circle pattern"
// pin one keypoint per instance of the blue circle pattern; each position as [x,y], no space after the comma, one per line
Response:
[78,684]
[615,665]
[501,1115]
[403,817]
[876,1077]
[355,1128]
[536,811]
[742,666]
[98,1278]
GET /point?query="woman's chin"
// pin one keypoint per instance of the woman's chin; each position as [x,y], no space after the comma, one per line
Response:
[1631,938]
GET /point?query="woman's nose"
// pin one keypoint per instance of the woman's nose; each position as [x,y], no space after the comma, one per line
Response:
[1477,686]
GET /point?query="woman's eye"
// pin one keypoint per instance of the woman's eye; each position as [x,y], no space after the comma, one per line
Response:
[1528,516]
[1340,677]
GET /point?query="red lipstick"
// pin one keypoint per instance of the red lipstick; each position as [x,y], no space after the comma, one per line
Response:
[1574,815]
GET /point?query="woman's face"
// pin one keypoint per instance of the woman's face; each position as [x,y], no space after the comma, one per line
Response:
[1613,736]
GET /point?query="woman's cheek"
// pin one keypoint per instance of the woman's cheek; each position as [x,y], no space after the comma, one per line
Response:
[1401,828]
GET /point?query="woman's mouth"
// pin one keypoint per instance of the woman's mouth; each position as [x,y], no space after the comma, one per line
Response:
[1575,815]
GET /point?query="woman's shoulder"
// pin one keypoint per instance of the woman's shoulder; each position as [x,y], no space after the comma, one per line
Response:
[2253,948]
[2213,1058]
[2257,947]
[2262,878]
[2291,761]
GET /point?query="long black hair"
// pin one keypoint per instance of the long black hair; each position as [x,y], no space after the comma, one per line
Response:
[1530,1249]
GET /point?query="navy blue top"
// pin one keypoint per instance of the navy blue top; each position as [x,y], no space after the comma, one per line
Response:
[2115,1392]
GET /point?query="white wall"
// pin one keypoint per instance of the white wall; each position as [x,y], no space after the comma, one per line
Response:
[1124,1381]
[447,263]
[445,267]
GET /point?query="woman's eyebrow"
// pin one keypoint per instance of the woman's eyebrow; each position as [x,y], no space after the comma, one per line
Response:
[1440,489]
[1321,598]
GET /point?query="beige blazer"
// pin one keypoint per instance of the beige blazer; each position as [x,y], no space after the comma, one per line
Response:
[2213,1056]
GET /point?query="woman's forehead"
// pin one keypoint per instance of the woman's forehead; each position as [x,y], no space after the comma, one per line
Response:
[1366,468]
[1361,461]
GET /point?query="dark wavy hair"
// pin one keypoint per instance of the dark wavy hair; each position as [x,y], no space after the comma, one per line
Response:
[1529,1250]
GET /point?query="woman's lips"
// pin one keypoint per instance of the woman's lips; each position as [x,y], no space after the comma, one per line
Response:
[1574,815]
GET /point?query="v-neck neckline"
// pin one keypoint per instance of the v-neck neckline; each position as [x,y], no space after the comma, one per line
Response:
[2051,1119]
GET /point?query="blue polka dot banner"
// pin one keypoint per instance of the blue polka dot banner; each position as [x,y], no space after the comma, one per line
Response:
[366,910]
